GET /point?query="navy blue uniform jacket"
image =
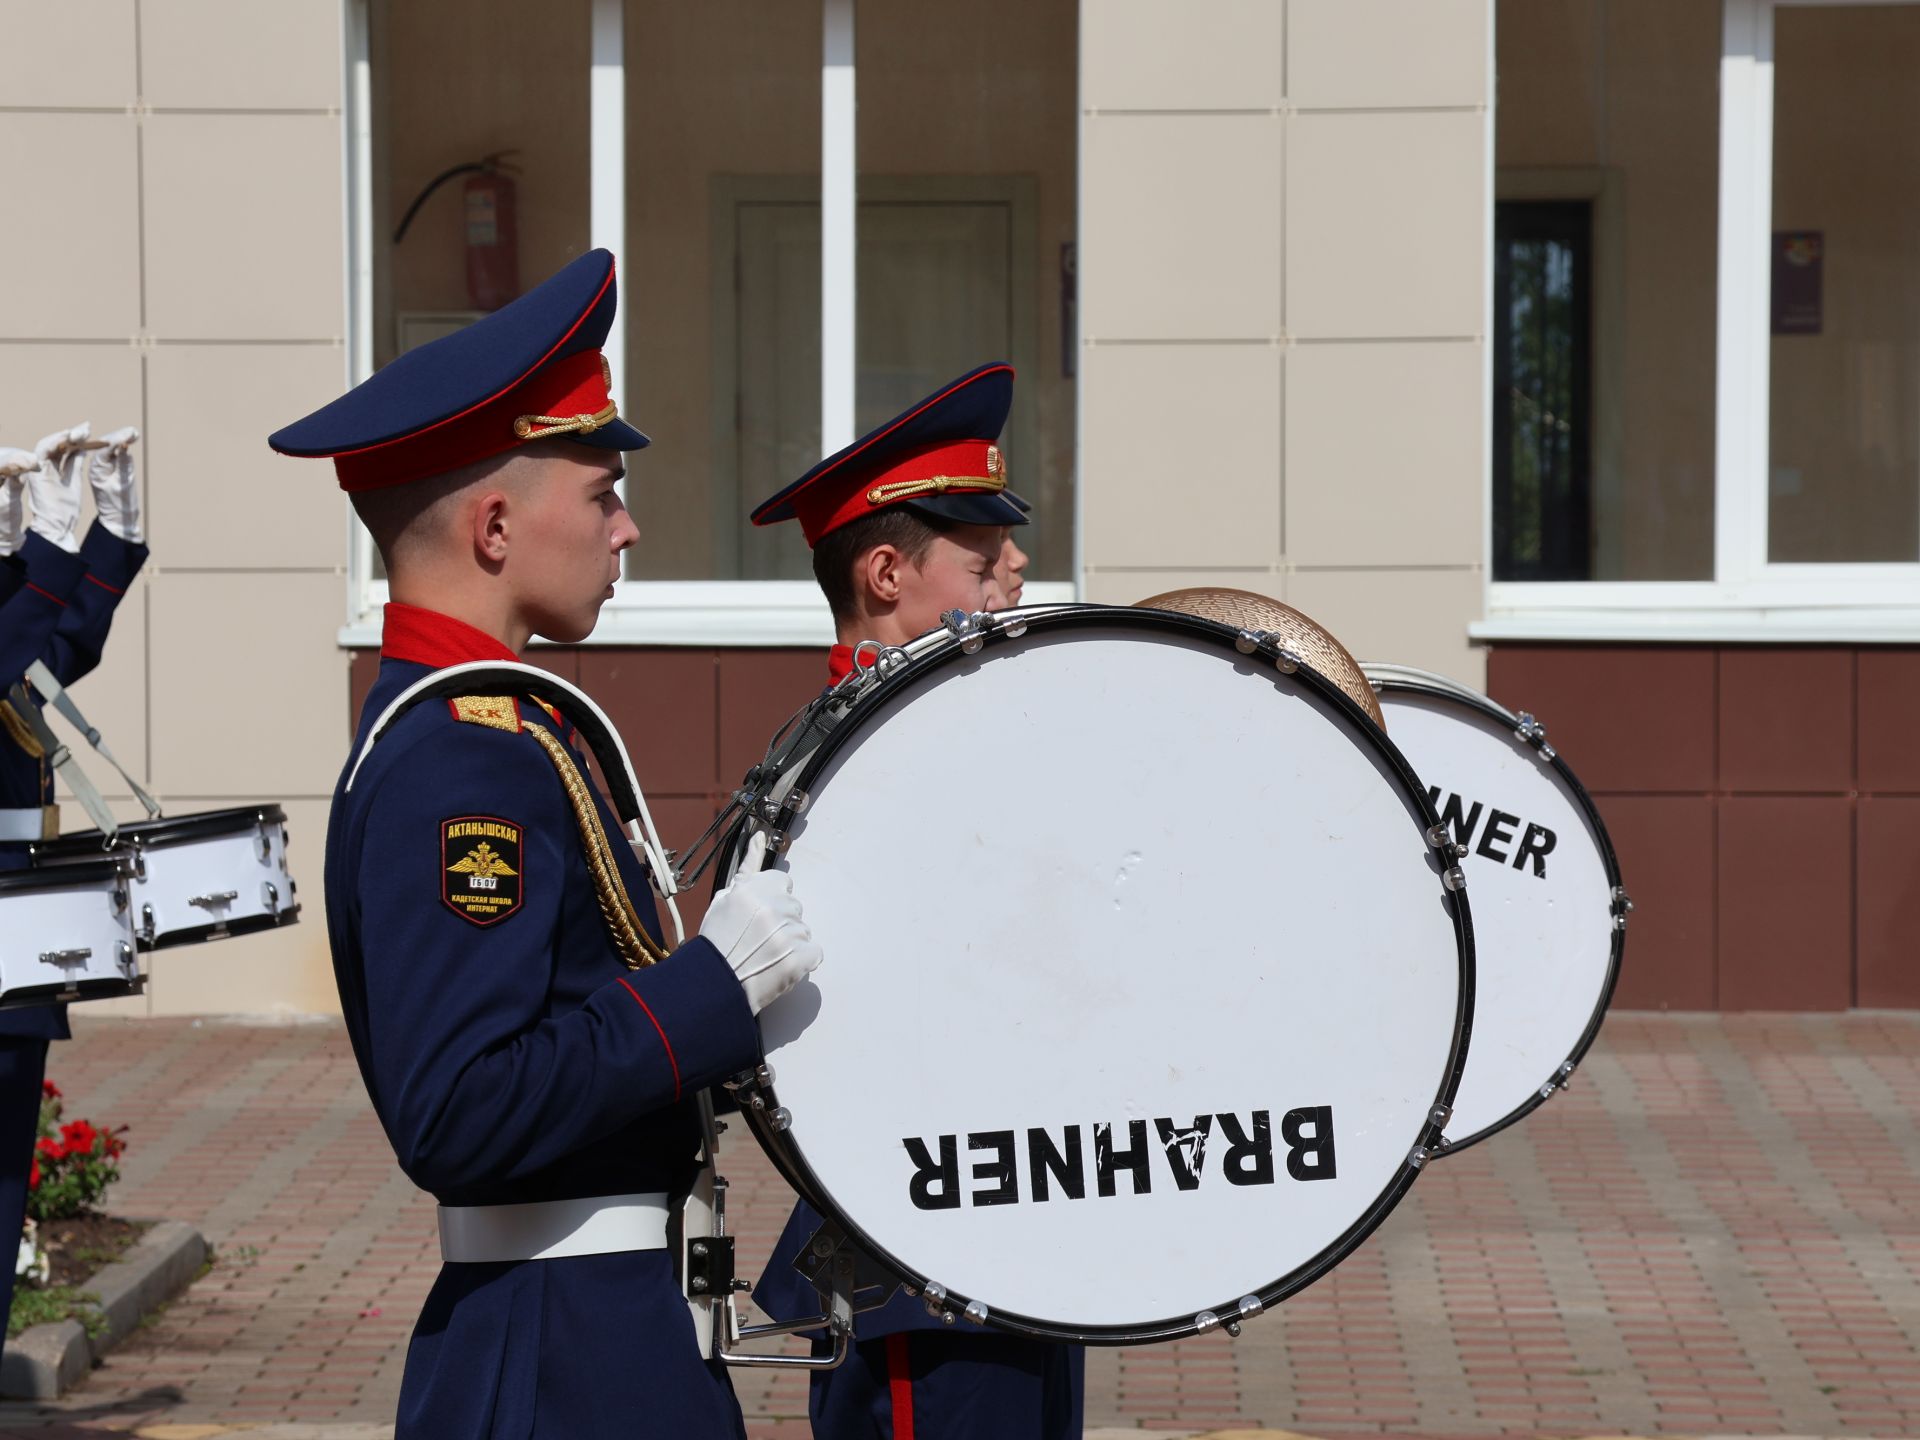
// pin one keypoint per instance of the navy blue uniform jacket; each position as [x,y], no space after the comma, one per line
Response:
[60,611]
[517,1060]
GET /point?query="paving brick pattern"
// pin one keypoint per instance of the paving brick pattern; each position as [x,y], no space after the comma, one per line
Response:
[1716,1231]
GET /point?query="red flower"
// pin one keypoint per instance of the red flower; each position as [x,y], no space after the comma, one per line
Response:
[33,1176]
[80,1137]
[51,1150]
[49,1089]
[115,1145]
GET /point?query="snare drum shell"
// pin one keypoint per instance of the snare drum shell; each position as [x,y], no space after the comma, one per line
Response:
[1550,928]
[66,934]
[206,876]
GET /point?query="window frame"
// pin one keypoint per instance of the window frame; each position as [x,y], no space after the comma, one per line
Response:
[1749,596]
[641,612]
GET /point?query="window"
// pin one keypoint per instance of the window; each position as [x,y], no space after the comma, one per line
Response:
[966,145]
[1542,506]
[1758,476]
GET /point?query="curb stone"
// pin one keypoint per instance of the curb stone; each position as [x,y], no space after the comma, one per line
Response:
[46,1361]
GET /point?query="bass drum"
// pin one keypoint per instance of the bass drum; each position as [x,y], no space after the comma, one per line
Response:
[196,877]
[1550,913]
[66,934]
[1146,991]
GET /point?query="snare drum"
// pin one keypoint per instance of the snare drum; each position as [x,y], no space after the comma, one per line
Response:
[197,877]
[67,934]
[1144,925]
[1550,914]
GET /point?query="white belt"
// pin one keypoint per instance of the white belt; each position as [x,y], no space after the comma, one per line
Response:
[29,824]
[553,1229]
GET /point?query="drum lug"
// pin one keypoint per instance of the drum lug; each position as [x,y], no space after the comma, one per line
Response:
[970,630]
[1454,878]
[976,1312]
[129,966]
[1530,731]
[934,1294]
[1418,1156]
[1206,1320]
[1287,662]
[270,897]
[1621,906]
[149,928]
[1248,641]
[1440,1114]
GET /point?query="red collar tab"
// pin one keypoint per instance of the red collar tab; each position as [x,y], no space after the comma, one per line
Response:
[570,396]
[426,637]
[961,467]
[840,662]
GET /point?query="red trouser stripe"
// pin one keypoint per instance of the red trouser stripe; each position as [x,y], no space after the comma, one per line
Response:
[900,1386]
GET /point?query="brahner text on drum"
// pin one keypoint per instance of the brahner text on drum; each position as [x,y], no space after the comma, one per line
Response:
[1056,1162]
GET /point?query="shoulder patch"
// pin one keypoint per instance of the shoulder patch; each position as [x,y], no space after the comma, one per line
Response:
[497,712]
[481,860]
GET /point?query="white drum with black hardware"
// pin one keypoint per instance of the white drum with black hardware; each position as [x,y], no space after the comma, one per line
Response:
[1145,990]
[67,934]
[196,877]
[1549,911]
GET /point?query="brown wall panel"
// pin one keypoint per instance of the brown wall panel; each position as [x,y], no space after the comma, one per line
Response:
[1786,719]
[1889,707]
[663,703]
[759,689]
[1785,903]
[1887,902]
[1665,845]
[1627,717]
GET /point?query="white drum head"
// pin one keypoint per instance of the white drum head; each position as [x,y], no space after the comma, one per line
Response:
[1543,878]
[1141,979]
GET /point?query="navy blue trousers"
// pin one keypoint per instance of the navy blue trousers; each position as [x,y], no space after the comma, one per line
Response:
[935,1385]
[23,1065]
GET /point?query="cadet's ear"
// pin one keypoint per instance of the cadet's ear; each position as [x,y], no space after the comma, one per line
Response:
[876,574]
[490,527]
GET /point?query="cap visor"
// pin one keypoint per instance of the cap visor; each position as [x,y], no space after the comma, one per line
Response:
[970,509]
[615,435]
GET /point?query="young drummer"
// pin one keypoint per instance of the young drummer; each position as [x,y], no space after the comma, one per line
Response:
[910,521]
[530,1064]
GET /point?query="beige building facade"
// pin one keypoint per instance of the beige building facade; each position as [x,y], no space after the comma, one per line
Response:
[1454,323]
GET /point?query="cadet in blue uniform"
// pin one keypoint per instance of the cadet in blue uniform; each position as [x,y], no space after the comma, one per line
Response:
[907,522]
[531,1066]
[60,597]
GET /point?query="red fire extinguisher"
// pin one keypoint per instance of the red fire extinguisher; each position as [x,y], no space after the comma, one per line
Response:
[492,228]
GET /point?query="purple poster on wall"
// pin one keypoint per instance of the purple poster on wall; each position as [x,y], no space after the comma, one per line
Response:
[1798,259]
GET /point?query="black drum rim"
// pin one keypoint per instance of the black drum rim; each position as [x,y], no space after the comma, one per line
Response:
[158,833]
[793,1167]
[1552,1083]
[106,867]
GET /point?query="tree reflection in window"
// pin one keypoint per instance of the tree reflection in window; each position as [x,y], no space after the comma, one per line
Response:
[1542,502]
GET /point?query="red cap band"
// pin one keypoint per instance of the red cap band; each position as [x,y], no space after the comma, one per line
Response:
[963,467]
[565,389]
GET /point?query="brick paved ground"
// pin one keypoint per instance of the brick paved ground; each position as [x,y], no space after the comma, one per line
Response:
[1717,1231]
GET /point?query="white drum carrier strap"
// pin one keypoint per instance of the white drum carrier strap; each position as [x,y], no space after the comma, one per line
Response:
[61,758]
[552,1229]
[588,717]
[56,694]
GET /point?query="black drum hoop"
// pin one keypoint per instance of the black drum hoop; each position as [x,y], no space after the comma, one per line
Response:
[894,685]
[158,834]
[32,997]
[225,930]
[1554,1082]
[80,875]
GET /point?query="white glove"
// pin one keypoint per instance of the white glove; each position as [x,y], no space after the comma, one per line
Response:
[755,922]
[14,467]
[116,489]
[53,490]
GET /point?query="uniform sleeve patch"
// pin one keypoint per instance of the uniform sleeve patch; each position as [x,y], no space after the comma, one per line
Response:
[481,858]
